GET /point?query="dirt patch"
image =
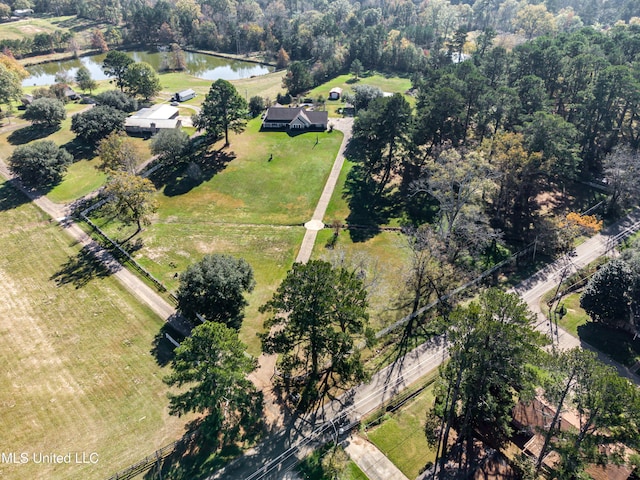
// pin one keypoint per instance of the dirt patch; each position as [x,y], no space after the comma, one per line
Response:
[31,29]
[262,378]
[554,202]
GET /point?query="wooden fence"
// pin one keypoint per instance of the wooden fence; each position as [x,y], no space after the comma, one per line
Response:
[121,254]
[149,461]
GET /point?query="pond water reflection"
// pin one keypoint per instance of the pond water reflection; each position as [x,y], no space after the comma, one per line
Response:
[199,65]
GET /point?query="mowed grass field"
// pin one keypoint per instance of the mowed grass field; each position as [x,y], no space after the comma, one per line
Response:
[252,208]
[385,256]
[29,27]
[78,373]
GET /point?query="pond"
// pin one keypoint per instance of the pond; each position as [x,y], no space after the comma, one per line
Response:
[199,65]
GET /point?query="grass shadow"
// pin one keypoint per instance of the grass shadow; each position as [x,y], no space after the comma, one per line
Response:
[31,133]
[193,458]
[184,178]
[616,344]
[368,210]
[162,348]
[81,269]
[11,197]
[80,150]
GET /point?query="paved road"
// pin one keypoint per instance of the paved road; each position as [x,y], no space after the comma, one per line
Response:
[277,455]
[132,282]
[281,451]
[532,289]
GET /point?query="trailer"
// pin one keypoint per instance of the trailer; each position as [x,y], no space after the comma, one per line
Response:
[184,95]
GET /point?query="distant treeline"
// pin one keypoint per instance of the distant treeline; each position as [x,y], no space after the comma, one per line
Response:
[393,35]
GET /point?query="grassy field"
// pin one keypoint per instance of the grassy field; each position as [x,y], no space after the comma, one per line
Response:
[250,188]
[251,208]
[79,369]
[29,27]
[385,255]
[266,86]
[401,436]
[170,247]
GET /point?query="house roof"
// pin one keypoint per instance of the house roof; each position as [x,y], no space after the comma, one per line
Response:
[537,414]
[157,112]
[285,114]
[188,91]
[282,114]
[135,122]
[335,90]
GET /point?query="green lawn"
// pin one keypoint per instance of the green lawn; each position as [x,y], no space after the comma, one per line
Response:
[616,344]
[29,27]
[311,467]
[266,86]
[385,259]
[385,254]
[79,373]
[169,247]
[401,436]
[253,208]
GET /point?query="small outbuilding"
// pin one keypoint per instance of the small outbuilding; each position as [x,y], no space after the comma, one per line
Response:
[335,93]
[71,94]
[25,12]
[153,119]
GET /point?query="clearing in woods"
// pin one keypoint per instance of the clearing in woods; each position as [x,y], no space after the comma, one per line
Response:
[78,371]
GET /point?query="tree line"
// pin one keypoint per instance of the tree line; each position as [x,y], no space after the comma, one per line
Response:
[488,135]
[391,36]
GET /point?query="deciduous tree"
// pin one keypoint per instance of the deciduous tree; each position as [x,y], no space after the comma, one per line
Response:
[142,80]
[98,41]
[622,169]
[11,76]
[45,111]
[40,164]
[210,368]
[116,65]
[297,79]
[256,105]
[223,110]
[97,123]
[117,99]
[214,288]
[170,145]
[118,152]
[130,198]
[84,80]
